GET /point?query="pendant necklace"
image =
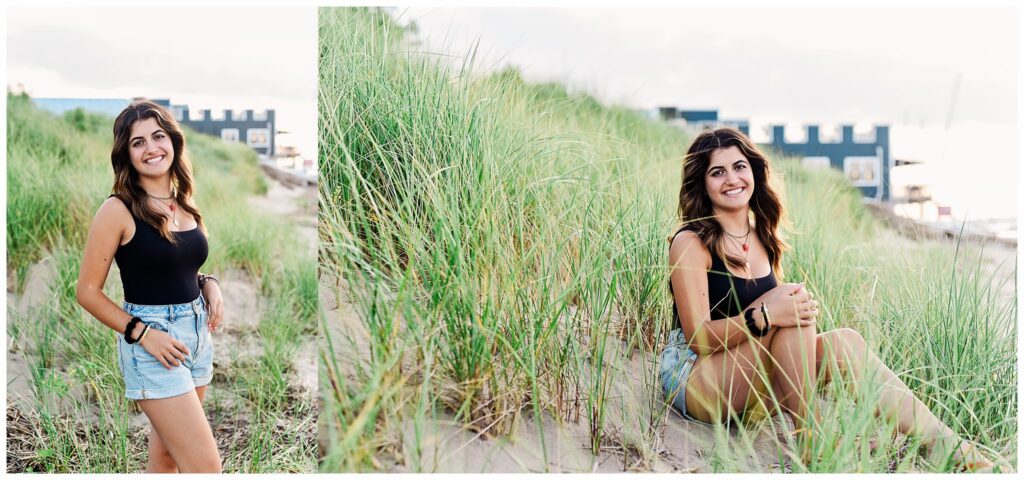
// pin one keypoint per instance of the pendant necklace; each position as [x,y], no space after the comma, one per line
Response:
[171,206]
[745,246]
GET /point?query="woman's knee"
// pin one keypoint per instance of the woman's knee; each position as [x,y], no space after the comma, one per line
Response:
[204,464]
[849,340]
[845,345]
[160,461]
[803,338]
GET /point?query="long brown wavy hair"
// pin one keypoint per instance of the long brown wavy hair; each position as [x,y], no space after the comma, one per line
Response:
[695,208]
[126,178]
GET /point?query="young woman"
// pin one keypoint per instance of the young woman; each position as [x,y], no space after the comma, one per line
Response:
[154,231]
[738,329]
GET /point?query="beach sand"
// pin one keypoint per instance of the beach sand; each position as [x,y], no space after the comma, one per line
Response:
[998,259]
[296,204]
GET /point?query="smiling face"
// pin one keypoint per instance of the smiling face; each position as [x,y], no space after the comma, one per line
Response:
[729,180]
[150,148]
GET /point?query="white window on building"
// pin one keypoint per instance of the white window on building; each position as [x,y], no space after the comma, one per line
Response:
[179,113]
[794,135]
[830,133]
[229,135]
[863,171]
[864,134]
[816,163]
[257,137]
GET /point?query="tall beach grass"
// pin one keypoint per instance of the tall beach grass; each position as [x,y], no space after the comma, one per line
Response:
[501,247]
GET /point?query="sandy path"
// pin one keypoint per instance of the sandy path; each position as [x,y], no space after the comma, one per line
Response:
[299,206]
[296,204]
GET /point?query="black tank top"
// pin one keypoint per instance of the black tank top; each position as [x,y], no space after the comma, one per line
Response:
[156,272]
[728,295]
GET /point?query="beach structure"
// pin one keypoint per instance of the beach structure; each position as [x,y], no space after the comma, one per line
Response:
[257,129]
[865,160]
[701,119]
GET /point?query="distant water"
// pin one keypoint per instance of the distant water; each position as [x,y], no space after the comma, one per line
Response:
[970,168]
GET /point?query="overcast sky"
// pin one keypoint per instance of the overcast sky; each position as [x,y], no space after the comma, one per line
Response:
[213,58]
[788,65]
[772,63]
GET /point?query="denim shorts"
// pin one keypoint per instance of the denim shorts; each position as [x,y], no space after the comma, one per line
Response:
[145,378]
[675,366]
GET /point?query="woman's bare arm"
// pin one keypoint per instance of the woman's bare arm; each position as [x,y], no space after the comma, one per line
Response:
[690,261]
[109,227]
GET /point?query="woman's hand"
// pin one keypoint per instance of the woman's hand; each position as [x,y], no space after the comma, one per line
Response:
[164,348]
[214,304]
[790,305]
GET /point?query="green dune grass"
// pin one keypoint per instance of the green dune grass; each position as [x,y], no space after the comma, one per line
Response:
[504,246]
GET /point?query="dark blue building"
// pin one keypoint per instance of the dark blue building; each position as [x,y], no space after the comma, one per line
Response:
[255,129]
[866,162]
[702,119]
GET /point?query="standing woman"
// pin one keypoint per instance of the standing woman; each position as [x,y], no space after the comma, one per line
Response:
[154,231]
[738,331]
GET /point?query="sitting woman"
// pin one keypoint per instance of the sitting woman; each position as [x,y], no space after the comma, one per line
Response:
[738,329]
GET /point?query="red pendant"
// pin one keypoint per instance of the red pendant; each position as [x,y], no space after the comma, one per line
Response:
[746,247]
[172,209]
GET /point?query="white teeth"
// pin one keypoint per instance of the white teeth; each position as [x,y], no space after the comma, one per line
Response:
[734,191]
[154,160]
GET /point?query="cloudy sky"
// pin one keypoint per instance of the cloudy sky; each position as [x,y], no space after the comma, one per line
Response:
[790,65]
[215,58]
[787,63]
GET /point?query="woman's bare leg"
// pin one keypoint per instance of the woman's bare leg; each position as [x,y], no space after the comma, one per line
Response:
[181,428]
[794,377]
[848,349]
[726,382]
[733,379]
[160,460]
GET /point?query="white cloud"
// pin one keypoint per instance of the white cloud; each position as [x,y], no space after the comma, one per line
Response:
[212,58]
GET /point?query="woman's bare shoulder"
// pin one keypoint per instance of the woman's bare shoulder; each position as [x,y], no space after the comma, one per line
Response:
[688,247]
[112,212]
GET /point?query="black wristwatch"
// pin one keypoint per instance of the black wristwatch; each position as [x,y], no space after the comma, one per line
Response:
[128,329]
[748,314]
